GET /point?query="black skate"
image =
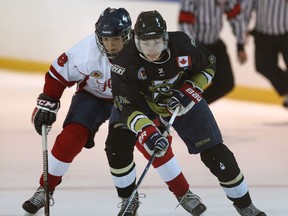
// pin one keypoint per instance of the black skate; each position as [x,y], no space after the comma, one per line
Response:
[192,203]
[37,201]
[132,208]
[251,210]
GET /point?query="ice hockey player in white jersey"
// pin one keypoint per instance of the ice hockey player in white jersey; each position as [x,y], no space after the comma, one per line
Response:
[86,64]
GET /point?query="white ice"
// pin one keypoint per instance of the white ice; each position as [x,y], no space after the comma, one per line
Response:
[256,133]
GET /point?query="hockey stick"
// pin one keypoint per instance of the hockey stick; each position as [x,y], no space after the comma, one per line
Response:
[45,170]
[165,133]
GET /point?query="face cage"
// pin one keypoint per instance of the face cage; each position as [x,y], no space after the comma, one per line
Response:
[111,55]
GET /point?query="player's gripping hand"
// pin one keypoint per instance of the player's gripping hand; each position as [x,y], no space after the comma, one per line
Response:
[45,112]
[152,140]
[186,97]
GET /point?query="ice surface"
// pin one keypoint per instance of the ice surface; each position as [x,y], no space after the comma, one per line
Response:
[256,133]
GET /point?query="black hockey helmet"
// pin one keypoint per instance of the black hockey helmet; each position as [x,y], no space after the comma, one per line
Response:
[150,25]
[112,23]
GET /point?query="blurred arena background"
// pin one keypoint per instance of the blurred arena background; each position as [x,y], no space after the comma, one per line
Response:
[34,33]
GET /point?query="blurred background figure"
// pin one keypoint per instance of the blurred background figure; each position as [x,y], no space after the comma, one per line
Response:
[203,21]
[271,40]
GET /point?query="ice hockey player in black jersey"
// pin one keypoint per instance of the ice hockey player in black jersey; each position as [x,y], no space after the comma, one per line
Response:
[155,73]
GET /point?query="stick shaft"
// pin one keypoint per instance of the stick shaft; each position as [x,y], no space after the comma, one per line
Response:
[45,170]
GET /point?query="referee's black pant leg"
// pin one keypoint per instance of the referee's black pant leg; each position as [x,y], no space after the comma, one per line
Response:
[266,62]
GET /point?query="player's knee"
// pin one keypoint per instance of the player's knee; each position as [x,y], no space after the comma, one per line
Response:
[78,133]
[70,142]
[119,147]
[221,162]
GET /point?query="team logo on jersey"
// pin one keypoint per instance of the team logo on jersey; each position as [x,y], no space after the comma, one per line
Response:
[96,74]
[117,69]
[184,61]
[142,74]
[163,87]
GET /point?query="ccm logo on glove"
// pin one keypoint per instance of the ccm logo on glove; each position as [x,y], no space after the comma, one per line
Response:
[45,112]
[47,104]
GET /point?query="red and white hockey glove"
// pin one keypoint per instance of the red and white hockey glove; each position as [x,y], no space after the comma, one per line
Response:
[186,97]
[45,112]
[152,140]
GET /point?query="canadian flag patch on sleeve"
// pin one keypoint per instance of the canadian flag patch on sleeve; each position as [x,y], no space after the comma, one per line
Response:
[184,61]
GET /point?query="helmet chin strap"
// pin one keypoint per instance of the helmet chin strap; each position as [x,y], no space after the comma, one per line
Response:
[161,56]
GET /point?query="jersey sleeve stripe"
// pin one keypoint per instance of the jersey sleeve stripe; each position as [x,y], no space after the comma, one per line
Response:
[137,120]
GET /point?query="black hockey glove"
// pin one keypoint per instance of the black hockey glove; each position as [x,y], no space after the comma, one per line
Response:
[186,97]
[152,140]
[45,112]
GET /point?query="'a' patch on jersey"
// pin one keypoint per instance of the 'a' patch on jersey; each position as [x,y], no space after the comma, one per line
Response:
[184,61]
